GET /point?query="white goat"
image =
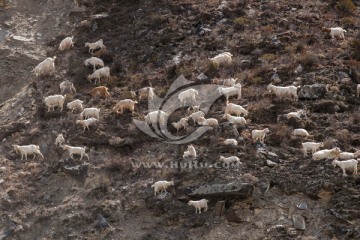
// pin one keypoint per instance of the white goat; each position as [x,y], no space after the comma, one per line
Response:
[230,141]
[161,185]
[221,58]
[182,123]
[67,85]
[349,155]
[60,140]
[155,117]
[188,94]
[45,67]
[259,134]
[300,132]
[76,150]
[95,45]
[348,164]
[336,32]
[27,149]
[196,116]
[146,92]
[66,43]
[55,101]
[235,109]
[284,92]
[231,91]
[90,112]
[313,146]
[86,123]
[95,62]
[230,159]
[208,122]
[100,73]
[327,153]
[199,205]
[296,114]
[235,120]
[125,104]
[190,153]
[76,104]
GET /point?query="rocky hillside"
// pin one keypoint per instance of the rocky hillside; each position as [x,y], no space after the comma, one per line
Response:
[276,193]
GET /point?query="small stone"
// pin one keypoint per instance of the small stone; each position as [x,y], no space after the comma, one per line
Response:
[299,69]
[299,222]
[302,206]
[270,163]
[202,77]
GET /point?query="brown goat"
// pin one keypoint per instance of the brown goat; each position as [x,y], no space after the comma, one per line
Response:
[101,90]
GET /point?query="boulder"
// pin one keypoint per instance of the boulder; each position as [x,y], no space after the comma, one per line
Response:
[311,92]
[235,188]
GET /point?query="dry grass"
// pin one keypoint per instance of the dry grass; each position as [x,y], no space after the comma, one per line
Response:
[345,7]
[308,60]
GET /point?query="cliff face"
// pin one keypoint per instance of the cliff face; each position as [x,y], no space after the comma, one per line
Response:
[276,193]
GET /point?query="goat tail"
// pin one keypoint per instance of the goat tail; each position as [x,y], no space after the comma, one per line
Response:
[153,185]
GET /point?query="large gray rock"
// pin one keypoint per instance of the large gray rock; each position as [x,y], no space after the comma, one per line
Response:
[222,190]
[311,92]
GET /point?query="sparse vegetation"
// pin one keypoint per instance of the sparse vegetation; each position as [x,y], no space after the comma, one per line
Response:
[268,57]
[348,22]
[355,48]
[308,60]
[345,7]
[241,22]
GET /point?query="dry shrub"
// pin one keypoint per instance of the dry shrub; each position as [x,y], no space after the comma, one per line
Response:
[329,143]
[240,22]
[115,141]
[355,48]
[300,48]
[309,61]
[348,22]
[279,135]
[344,138]
[345,7]
[268,57]
[114,165]
[97,181]
[260,113]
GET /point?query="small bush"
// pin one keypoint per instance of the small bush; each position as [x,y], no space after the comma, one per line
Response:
[345,7]
[241,22]
[348,22]
[256,80]
[268,57]
[308,61]
[355,47]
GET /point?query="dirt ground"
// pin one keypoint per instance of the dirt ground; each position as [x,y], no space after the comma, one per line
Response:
[151,44]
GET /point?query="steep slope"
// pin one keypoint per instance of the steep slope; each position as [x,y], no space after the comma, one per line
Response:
[151,44]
